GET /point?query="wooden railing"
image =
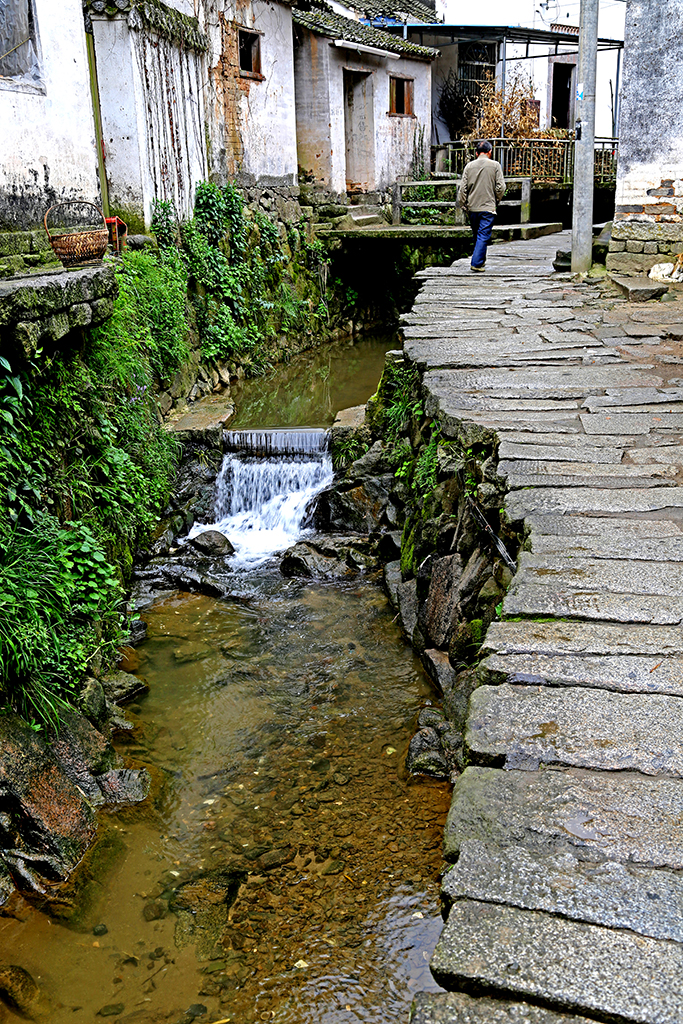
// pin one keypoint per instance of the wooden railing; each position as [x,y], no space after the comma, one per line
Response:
[546,161]
[423,191]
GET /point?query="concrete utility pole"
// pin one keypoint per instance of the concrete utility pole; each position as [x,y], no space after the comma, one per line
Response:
[584,149]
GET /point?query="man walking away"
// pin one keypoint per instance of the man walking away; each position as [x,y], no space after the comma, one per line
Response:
[481,189]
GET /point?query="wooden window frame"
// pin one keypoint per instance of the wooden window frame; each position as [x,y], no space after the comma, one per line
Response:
[407,96]
[255,73]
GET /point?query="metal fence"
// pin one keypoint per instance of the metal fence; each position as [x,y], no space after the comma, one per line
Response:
[547,162]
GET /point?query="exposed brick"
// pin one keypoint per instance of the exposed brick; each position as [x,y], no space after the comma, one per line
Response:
[661,191]
[659,209]
[630,209]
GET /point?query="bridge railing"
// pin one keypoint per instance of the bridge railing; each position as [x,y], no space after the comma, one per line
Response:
[421,195]
[547,162]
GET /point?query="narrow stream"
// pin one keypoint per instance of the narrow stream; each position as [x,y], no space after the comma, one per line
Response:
[284,867]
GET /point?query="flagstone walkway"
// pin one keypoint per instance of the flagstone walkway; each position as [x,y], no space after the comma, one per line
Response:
[566,829]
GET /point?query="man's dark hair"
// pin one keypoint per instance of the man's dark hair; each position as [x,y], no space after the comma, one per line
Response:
[483,147]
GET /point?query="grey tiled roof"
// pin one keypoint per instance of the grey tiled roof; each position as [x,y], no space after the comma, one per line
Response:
[318,17]
[396,10]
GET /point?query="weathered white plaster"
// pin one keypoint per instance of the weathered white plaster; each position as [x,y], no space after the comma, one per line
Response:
[48,139]
[321,115]
[152,105]
[252,126]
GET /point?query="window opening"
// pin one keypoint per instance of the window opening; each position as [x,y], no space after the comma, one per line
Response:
[18,51]
[250,52]
[401,96]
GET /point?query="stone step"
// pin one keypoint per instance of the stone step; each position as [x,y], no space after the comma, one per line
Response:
[567,965]
[525,726]
[582,638]
[569,602]
[621,673]
[614,895]
[543,473]
[630,422]
[458,1008]
[616,576]
[600,528]
[589,444]
[621,816]
[570,500]
[665,549]
[534,452]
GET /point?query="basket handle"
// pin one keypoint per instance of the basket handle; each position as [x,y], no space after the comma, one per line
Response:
[72,202]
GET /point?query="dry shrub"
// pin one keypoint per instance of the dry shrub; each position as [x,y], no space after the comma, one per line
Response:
[518,112]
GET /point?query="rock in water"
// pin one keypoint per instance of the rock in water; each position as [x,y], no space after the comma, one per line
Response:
[120,687]
[124,785]
[20,992]
[212,543]
[47,820]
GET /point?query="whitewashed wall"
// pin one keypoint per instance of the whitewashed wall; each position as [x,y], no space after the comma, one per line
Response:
[252,126]
[321,119]
[152,104]
[48,139]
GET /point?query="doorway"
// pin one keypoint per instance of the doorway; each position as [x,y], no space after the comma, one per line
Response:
[562,108]
[359,131]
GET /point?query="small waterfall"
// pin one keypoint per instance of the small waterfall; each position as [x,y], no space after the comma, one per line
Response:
[262,503]
[298,441]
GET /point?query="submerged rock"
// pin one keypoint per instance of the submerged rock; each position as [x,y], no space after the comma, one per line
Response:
[201,906]
[20,992]
[124,785]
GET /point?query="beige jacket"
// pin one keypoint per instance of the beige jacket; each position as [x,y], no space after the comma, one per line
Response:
[482,186]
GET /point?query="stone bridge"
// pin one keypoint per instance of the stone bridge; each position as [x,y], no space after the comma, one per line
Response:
[565,898]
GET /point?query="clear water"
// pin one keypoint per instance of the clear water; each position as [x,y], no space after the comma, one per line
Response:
[276,726]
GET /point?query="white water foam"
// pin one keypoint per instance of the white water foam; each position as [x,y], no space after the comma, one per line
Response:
[262,505]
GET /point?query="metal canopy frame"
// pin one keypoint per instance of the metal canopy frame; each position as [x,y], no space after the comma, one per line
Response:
[500,33]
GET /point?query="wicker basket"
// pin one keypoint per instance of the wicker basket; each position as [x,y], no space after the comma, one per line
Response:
[78,246]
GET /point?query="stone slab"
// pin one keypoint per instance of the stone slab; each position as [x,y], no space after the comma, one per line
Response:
[672,454]
[546,473]
[620,816]
[622,673]
[597,526]
[610,545]
[459,1008]
[612,973]
[533,452]
[630,423]
[587,442]
[582,638]
[639,289]
[533,600]
[570,500]
[614,895]
[524,726]
[616,576]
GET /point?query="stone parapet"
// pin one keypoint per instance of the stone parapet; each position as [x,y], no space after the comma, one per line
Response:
[48,306]
[639,242]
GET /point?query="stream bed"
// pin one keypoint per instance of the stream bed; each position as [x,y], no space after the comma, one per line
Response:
[284,866]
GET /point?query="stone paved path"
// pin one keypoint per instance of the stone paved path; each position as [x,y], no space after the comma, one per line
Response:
[566,829]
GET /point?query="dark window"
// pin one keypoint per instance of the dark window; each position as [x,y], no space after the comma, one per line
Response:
[250,53]
[18,59]
[401,96]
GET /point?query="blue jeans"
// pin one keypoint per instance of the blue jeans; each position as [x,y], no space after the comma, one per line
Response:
[482,224]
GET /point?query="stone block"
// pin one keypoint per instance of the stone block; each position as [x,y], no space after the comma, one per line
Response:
[640,289]
[522,726]
[458,1008]
[28,334]
[633,246]
[102,309]
[650,247]
[646,231]
[617,246]
[581,968]
[620,816]
[81,315]
[57,326]
[629,263]
[644,900]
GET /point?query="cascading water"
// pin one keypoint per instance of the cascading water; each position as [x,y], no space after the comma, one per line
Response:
[263,503]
